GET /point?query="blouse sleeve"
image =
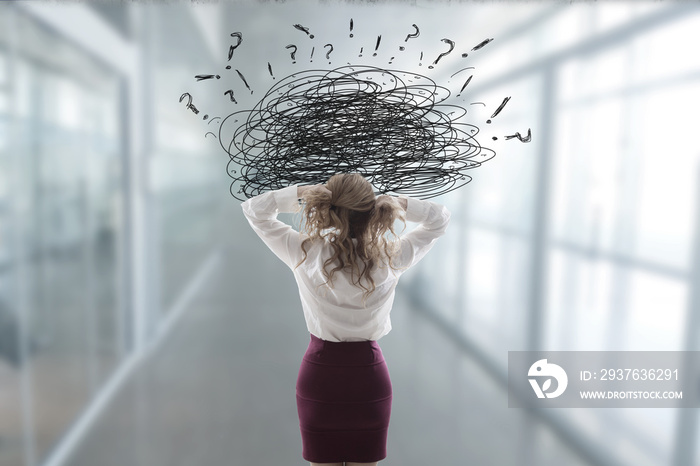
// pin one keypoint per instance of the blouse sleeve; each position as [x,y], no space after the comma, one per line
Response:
[432,218]
[261,212]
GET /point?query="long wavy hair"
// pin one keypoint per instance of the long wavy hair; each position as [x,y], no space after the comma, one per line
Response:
[352,211]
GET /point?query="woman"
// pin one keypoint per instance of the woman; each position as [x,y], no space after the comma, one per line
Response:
[347,261]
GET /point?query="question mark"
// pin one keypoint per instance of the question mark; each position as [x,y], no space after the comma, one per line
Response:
[238,36]
[452,46]
[189,103]
[328,55]
[230,94]
[520,137]
[293,52]
[414,35]
[411,36]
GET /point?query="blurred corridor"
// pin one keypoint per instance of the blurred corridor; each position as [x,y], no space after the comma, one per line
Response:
[143,323]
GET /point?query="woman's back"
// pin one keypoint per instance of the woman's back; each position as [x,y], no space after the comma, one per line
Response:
[345,305]
[343,312]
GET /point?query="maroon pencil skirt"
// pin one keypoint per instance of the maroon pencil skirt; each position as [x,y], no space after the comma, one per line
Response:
[344,398]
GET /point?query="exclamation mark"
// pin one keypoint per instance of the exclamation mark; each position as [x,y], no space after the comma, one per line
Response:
[498,110]
[379,39]
[465,85]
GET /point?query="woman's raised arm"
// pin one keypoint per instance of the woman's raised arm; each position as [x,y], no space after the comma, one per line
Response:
[261,212]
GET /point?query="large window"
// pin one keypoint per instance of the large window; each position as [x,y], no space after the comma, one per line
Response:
[61,235]
[584,239]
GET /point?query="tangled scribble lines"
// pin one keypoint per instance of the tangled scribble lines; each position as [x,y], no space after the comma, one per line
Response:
[389,126]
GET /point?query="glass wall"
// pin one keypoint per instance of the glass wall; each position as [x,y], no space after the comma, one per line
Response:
[62,317]
[66,237]
[586,243]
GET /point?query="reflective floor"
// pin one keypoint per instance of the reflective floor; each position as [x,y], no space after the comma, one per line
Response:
[220,388]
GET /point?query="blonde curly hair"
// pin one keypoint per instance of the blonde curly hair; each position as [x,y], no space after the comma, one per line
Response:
[352,211]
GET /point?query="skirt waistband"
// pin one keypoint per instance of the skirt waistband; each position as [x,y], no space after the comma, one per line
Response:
[365,352]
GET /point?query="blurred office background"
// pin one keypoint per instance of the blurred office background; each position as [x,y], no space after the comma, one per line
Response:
[143,323]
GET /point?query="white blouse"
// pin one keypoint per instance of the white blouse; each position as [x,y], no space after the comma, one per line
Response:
[337,313]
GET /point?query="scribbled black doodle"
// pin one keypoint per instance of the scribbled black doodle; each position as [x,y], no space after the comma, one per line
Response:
[400,129]
[393,127]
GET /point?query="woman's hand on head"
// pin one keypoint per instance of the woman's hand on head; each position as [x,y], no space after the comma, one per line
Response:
[403,202]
